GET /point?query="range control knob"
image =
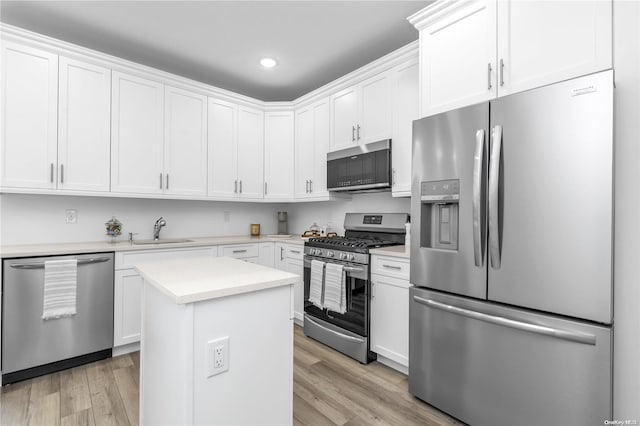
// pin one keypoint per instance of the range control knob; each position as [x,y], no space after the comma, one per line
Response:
[318,252]
[343,256]
[329,254]
[351,256]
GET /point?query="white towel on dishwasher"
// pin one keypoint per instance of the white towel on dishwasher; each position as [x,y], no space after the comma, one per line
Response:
[334,288]
[60,284]
[315,284]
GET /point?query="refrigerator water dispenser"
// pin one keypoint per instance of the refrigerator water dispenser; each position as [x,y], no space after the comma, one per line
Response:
[439,214]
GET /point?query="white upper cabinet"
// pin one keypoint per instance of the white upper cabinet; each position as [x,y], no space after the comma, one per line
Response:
[405,79]
[362,113]
[312,136]
[29,118]
[84,128]
[544,42]
[250,152]
[185,152]
[137,127]
[222,135]
[473,51]
[236,150]
[278,155]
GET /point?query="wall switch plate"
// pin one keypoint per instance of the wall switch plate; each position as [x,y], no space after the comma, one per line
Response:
[217,356]
[71,216]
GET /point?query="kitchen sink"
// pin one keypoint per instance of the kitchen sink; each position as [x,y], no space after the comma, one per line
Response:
[162,241]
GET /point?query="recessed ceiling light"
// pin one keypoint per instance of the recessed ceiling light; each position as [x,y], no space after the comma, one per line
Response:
[268,62]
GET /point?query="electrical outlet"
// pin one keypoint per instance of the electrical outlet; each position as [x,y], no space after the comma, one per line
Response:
[217,356]
[71,216]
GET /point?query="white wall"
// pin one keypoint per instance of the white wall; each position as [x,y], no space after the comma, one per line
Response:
[32,219]
[626,376]
[302,215]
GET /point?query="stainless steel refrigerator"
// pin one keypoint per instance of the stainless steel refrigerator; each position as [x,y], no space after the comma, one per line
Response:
[511,257]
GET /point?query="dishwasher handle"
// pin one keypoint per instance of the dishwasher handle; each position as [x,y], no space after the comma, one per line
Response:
[40,265]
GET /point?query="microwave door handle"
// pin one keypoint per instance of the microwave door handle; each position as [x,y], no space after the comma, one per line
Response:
[494,180]
[477,197]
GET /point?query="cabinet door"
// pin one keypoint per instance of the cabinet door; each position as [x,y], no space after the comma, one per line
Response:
[223,179]
[29,118]
[405,110]
[136,135]
[267,256]
[390,318]
[541,42]
[126,309]
[304,151]
[374,121]
[321,145]
[278,155]
[250,152]
[457,57]
[343,118]
[185,151]
[84,128]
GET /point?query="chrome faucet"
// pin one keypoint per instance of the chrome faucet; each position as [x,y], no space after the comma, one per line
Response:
[157,226]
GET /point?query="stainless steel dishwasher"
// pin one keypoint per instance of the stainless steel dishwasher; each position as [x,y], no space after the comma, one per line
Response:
[32,346]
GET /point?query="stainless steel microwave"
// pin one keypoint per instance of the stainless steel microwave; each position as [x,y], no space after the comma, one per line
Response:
[362,167]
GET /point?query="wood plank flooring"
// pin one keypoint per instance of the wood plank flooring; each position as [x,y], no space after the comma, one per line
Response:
[328,389]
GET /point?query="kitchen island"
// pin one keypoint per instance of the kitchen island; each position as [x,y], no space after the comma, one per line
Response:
[217,343]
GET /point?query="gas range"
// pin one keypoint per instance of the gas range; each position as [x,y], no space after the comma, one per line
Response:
[351,249]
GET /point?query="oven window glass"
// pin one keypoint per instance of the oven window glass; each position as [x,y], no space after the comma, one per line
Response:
[354,319]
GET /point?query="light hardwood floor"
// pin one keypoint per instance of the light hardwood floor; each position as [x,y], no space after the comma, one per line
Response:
[328,389]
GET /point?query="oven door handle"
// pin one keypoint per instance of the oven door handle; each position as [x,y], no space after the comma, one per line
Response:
[344,336]
[352,269]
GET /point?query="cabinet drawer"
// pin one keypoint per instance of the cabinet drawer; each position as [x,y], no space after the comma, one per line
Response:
[128,259]
[390,266]
[241,251]
[284,251]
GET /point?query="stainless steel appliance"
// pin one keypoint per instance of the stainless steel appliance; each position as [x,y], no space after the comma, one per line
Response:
[362,167]
[511,257]
[283,223]
[32,346]
[349,332]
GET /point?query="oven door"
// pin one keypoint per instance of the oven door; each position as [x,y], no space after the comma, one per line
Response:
[355,319]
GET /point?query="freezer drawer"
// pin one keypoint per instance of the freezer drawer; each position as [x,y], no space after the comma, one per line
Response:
[488,364]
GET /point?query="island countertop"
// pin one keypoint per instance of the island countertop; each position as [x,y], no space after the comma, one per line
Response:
[204,278]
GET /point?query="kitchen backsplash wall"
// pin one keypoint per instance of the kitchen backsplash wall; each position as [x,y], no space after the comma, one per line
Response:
[32,219]
[302,215]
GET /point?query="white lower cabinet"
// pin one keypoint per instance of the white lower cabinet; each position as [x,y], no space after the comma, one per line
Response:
[267,256]
[127,289]
[289,258]
[390,313]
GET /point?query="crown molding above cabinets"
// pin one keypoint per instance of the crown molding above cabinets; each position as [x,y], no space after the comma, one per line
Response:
[158,135]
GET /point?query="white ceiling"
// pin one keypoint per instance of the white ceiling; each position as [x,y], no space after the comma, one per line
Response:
[220,42]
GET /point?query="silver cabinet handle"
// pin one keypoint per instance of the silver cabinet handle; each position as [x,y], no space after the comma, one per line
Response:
[265,188]
[393,177]
[160,180]
[235,186]
[489,86]
[494,181]
[310,185]
[167,186]
[40,265]
[353,133]
[241,186]
[501,72]
[239,251]
[398,268]
[373,294]
[51,173]
[281,253]
[573,336]
[295,251]
[478,159]
[61,173]
[358,132]
[344,336]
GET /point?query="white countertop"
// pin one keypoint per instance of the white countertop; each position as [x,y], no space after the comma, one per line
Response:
[395,251]
[198,279]
[51,249]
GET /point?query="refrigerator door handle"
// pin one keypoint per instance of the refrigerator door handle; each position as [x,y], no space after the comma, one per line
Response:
[494,182]
[573,336]
[477,188]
